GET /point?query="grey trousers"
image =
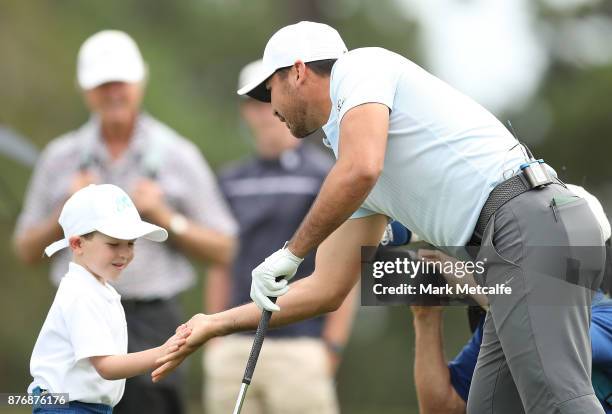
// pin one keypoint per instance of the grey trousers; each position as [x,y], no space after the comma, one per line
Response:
[536,351]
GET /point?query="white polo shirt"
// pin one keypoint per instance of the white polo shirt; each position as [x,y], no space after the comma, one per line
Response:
[445,152]
[86,319]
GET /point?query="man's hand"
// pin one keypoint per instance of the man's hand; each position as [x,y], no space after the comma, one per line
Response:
[437,256]
[148,198]
[281,263]
[199,334]
[82,179]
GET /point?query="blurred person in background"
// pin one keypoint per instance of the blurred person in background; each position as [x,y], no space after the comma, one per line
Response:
[269,195]
[443,387]
[167,178]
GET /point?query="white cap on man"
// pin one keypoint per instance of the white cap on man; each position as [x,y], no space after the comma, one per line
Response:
[305,41]
[109,56]
[105,208]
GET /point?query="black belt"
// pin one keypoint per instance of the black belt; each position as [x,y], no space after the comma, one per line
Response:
[133,304]
[499,196]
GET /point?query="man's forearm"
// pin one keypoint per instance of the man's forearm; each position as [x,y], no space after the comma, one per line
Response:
[208,245]
[432,377]
[344,190]
[337,269]
[305,299]
[199,241]
[217,288]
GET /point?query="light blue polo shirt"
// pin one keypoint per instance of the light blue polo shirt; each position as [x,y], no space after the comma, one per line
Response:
[445,152]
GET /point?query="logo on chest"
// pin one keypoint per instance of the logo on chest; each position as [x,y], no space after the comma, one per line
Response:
[339,104]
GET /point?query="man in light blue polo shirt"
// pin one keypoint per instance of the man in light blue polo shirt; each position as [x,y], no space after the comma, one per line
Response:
[411,148]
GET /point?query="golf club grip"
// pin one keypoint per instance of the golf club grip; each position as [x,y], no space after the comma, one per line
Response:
[257,343]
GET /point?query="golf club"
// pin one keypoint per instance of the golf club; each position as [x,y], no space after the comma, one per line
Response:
[250,368]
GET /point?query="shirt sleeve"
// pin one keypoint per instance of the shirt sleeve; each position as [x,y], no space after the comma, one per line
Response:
[357,81]
[88,328]
[601,336]
[362,212]
[37,205]
[462,367]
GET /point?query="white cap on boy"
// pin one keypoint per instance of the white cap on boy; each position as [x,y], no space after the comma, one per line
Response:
[105,208]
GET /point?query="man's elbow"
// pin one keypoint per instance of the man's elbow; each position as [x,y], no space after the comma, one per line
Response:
[443,407]
[367,174]
[222,253]
[441,403]
[334,300]
[228,252]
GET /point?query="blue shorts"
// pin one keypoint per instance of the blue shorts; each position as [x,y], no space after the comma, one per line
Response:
[73,407]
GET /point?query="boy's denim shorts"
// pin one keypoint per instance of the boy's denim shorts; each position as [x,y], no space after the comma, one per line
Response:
[73,407]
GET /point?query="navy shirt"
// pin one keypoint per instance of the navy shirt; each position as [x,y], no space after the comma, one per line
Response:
[462,367]
[269,199]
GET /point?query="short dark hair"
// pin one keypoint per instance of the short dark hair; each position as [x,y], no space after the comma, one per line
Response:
[320,67]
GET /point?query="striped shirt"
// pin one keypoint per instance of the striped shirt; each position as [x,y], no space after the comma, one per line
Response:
[269,199]
[159,270]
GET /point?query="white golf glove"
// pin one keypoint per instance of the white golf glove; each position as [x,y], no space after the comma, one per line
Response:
[281,263]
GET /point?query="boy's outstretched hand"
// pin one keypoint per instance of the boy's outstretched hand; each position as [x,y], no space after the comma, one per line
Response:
[176,341]
[199,332]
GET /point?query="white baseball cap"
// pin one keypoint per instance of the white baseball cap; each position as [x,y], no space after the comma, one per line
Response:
[109,56]
[305,41]
[596,208]
[105,208]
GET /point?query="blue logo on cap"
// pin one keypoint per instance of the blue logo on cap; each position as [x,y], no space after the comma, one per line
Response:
[123,203]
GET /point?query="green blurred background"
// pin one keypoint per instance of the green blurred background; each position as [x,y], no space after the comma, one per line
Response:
[546,66]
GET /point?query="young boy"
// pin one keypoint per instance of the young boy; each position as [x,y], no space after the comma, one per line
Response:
[82,347]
